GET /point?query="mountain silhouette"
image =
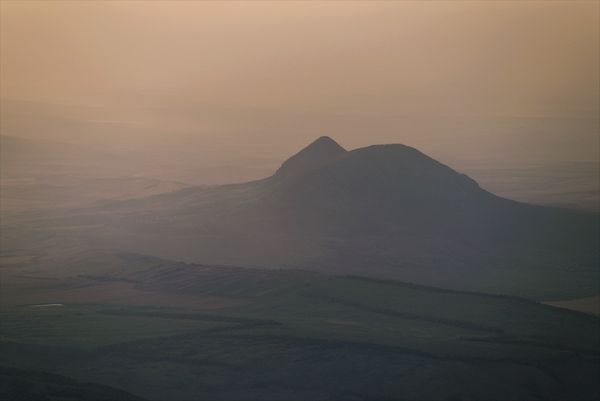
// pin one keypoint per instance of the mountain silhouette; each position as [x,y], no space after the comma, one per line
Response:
[394,175]
[384,210]
[320,152]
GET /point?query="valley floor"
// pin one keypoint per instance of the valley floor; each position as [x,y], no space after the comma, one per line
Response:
[164,331]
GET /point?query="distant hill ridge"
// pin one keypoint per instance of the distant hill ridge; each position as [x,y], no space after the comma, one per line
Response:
[386,211]
[390,173]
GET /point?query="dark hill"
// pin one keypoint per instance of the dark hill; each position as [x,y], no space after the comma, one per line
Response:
[27,385]
[389,176]
[386,211]
[322,151]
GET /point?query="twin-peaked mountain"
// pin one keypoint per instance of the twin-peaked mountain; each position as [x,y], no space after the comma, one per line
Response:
[384,210]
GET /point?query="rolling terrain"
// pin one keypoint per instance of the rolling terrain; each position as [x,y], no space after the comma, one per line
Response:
[176,225]
[38,175]
[234,333]
[27,385]
[385,211]
[371,274]
[569,184]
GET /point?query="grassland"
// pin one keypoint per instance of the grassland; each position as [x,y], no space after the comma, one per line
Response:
[234,333]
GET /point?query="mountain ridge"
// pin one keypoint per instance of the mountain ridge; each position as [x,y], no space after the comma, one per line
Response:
[385,211]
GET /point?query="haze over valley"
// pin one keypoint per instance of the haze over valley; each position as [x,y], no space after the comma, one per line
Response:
[299,200]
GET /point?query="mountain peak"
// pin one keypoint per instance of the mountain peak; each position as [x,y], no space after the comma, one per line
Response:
[324,141]
[319,152]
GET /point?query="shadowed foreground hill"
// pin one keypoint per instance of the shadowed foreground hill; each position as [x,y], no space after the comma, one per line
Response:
[385,211]
[26,385]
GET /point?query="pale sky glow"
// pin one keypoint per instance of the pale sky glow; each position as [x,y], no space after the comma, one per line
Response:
[450,77]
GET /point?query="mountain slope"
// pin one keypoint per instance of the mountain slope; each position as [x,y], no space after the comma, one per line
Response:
[322,151]
[386,211]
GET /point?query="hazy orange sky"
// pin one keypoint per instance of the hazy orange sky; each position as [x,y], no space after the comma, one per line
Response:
[490,79]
